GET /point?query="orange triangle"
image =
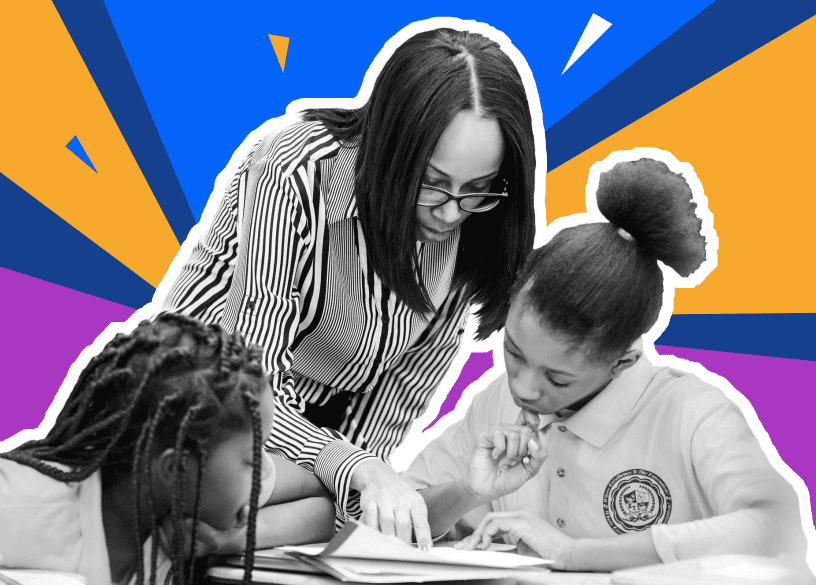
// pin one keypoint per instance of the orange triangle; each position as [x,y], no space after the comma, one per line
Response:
[281,46]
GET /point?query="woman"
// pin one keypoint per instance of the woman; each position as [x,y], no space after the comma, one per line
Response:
[584,452]
[350,246]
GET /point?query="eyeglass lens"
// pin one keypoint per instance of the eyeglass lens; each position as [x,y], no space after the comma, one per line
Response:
[470,202]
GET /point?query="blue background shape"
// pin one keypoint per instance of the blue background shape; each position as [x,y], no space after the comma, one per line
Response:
[93,34]
[209,75]
[75,146]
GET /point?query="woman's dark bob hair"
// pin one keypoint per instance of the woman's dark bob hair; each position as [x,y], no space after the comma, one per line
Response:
[428,80]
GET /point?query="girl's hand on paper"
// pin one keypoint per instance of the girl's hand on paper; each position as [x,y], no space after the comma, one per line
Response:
[534,535]
[505,457]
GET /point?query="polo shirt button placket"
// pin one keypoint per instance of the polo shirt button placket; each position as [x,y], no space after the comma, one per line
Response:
[560,472]
[560,522]
[562,428]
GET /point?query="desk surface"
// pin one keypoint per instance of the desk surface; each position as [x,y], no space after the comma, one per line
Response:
[732,569]
[232,575]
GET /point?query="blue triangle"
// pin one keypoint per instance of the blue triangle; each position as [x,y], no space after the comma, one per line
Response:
[75,147]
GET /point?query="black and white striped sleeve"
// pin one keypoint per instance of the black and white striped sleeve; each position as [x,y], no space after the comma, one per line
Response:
[325,452]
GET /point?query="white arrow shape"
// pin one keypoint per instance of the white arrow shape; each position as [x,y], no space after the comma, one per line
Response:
[593,31]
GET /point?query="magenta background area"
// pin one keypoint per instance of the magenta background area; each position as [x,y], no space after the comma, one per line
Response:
[33,367]
[476,365]
[781,392]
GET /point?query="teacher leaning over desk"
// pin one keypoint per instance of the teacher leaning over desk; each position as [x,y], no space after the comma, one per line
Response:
[351,244]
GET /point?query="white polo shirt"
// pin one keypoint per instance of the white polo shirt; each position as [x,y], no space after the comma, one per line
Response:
[658,449]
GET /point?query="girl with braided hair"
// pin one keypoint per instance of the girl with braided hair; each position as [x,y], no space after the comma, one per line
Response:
[163,429]
[586,453]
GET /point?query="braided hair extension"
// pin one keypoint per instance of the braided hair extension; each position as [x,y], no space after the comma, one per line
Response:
[141,469]
[257,444]
[179,497]
[146,473]
[171,383]
[196,508]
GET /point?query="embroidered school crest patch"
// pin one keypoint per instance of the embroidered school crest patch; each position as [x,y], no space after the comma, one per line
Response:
[635,500]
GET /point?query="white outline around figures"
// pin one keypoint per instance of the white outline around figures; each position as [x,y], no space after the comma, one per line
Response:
[416,439]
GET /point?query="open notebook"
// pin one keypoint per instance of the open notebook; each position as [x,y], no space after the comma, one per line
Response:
[361,554]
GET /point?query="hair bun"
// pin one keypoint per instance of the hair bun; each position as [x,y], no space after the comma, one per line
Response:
[654,205]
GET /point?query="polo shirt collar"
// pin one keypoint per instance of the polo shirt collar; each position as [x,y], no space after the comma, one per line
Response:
[599,419]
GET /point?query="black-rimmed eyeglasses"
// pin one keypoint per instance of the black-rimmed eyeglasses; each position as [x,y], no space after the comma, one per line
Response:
[430,196]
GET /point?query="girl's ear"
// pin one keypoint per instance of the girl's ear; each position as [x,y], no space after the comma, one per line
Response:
[164,468]
[627,360]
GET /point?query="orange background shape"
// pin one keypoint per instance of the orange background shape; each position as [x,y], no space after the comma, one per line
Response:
[748,132]
[49,97]
[281,47]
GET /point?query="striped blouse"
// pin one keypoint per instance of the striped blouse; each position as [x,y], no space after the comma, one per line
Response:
[284,262]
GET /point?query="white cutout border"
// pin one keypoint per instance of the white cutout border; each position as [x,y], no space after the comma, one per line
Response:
[416,440]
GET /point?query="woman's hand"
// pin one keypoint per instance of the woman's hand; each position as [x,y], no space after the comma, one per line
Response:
[529,529]
[504,458]
[390,504]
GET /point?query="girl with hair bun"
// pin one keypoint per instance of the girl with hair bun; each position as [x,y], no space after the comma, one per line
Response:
[584,452]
